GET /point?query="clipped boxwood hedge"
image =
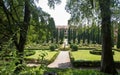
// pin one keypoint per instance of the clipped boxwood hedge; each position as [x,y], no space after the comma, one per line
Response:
[83,48]
[74,47]
[82,63]
[53,47]
[98,52]
[117,50]
[53,58]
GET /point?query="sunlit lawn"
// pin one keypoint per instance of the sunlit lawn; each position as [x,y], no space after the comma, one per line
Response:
[85,55]
[48,54]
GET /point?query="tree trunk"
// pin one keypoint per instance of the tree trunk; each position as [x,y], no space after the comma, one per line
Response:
[23,34]
[78,37]
[24,27]
[107,62]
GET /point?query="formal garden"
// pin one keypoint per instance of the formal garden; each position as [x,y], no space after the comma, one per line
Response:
[32,44]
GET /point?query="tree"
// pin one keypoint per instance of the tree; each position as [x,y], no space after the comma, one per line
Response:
[74,35]
[61,36]
[88,36]
[78,7]
[118,38]
[57,35]
[107,63]
[69,35]
[52,29]
[18,15]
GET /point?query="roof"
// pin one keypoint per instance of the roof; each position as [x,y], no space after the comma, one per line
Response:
[62,27]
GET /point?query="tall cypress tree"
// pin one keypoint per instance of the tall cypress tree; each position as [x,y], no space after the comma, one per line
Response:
[118,38]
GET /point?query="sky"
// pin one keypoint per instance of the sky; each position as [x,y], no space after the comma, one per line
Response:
[59,14]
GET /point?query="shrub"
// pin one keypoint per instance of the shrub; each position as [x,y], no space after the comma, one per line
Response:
[71,45]
[52,47]
[61,42]
[56,46]
[69,42]
[74,48]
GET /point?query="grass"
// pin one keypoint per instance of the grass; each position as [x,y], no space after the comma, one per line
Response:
[117,56]
[48,54]
[85,55]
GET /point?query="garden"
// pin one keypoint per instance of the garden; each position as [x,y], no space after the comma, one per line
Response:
[31,43]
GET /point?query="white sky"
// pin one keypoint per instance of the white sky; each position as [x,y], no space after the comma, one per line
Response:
[59,13]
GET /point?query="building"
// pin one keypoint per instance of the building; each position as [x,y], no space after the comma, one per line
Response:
[63,27]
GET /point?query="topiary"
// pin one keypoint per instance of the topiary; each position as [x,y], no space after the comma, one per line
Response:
[56,46]
[74,47]
[52,47]
[71,45]
[61,42]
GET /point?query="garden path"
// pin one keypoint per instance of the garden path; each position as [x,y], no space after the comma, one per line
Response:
[62,61]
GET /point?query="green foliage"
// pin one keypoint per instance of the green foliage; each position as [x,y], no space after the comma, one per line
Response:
[61,42]
[75,72]
[83,63]
[118,38]
[51,3]
[98,52]
[9,64]
[74,47]
[35,46]
[29,52]
[53,58]
[89,63]
[71,45]
[53,47]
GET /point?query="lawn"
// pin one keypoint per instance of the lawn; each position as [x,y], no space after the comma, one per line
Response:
[85,55]
[48,54]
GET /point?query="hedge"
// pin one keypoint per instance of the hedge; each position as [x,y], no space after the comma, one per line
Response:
[53,58]
[82,63]
[53,47]
[82,48]
[117,50]
[74,47]
[98,52]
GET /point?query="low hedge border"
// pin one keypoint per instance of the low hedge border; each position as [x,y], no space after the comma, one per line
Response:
[53,58]
[117,50]
[29,60]
[80,48]
[64,49]
[29,52]
[37,49]
[98,52]
[82,63]
[71,57]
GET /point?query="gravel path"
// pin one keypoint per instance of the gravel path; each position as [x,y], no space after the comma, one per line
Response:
[62,61]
